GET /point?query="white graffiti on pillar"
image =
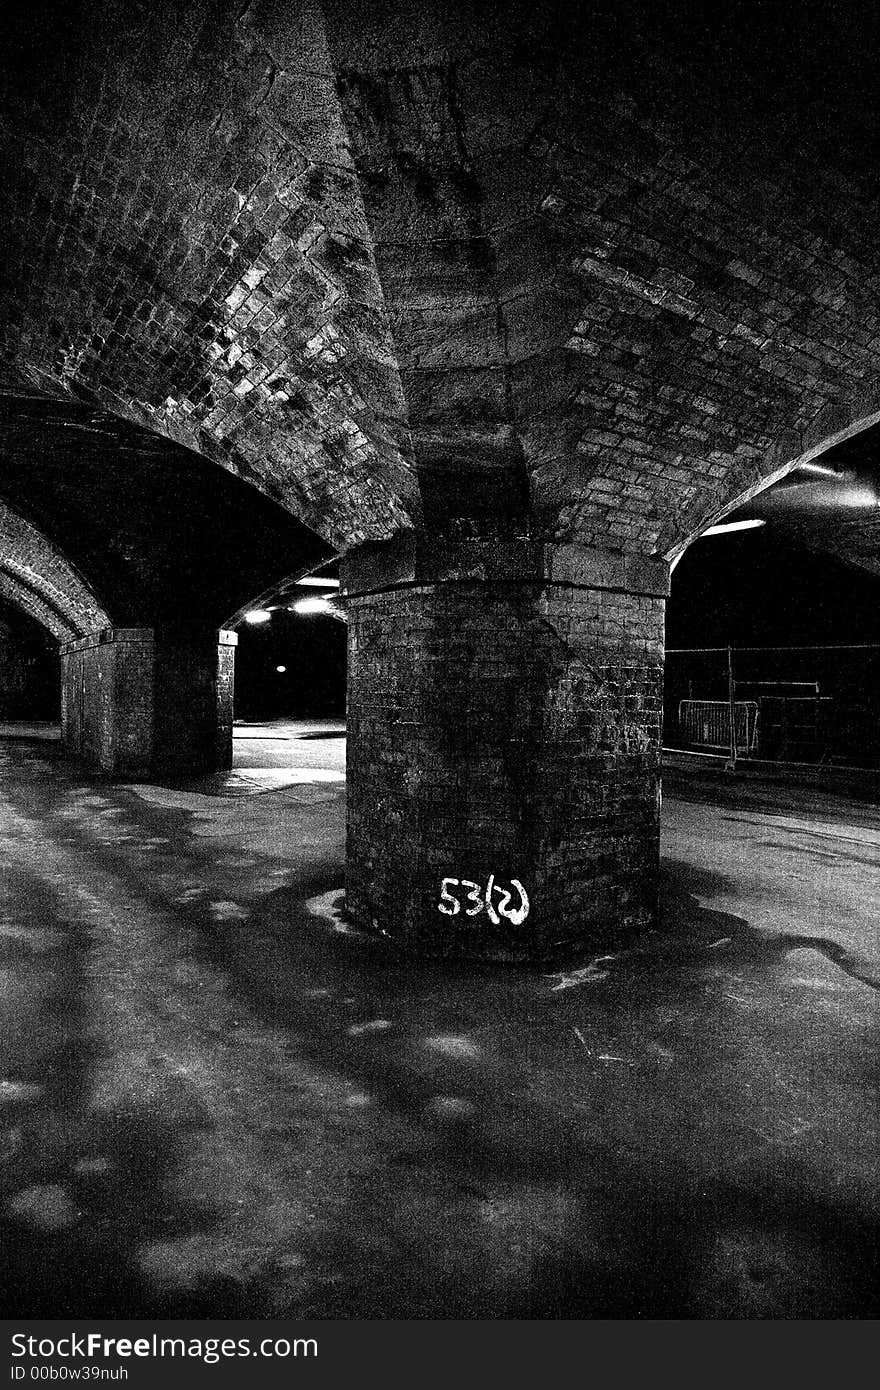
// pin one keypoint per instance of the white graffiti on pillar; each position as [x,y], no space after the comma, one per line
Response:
[479,899]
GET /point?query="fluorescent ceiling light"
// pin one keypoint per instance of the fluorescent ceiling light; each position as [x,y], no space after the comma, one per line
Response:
[311,605]
[314,581]
[726,526]
[822,470]
[257,615]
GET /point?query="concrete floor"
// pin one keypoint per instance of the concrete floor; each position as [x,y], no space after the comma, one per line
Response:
[216,1099]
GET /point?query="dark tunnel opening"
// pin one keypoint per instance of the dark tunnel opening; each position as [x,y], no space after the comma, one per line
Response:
[292,666]
[30,676]
[790,634]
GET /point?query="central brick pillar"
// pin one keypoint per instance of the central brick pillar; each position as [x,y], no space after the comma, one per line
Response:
[144,702]
[504,712]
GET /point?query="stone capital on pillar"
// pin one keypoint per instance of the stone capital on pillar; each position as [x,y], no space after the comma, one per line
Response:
[141,702]
[420,558]
[504,744]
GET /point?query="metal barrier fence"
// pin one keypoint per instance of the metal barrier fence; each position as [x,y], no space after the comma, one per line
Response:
[818,704]
[718,727]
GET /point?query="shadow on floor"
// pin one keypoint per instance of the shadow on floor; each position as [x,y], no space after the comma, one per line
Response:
[244,1107]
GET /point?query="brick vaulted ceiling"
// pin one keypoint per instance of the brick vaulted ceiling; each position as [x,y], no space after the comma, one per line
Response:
[595,271]
[159,534]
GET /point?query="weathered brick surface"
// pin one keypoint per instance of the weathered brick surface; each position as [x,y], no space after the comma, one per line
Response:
[193,695]
[507,729]
[107,700]
[185,245]
[572,263]
[634,270]
[139,703]
[29,600]
[37,577]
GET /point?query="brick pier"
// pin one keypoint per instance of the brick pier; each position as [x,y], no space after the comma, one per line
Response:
[137,702]
[504,733]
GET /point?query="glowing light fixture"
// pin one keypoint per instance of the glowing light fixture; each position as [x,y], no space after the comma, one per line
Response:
[257,615]
[726,526]
[314,581]
[821,470]
[281,670]
[311,606]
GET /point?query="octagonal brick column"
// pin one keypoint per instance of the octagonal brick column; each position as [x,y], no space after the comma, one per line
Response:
[504,716]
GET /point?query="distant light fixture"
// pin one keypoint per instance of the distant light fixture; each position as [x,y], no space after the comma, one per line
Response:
[732,526]
[314,581]
[257,615]
[281,670]
[311,606]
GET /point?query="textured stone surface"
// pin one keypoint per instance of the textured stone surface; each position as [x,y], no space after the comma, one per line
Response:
[507,729]
[417,556]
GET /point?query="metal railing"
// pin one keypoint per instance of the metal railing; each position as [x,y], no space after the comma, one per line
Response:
[716,725]
[798,704]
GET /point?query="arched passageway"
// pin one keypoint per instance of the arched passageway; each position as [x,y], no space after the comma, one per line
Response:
[506,314]
[772,628]
[501,306]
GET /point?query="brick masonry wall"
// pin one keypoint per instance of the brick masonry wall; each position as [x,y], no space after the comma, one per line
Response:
[107,700]
[554,257]
[509,730]
[29,600]
[194,686]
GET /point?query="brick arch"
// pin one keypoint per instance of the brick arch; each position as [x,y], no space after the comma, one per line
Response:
[36,576]
[24,596]
[392,265]
[188,250]
[644,276]
[831,427]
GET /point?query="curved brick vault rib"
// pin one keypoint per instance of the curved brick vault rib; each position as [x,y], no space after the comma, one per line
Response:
[557,267]
[160,534]
[833,426]
[36,576]
[23,596]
